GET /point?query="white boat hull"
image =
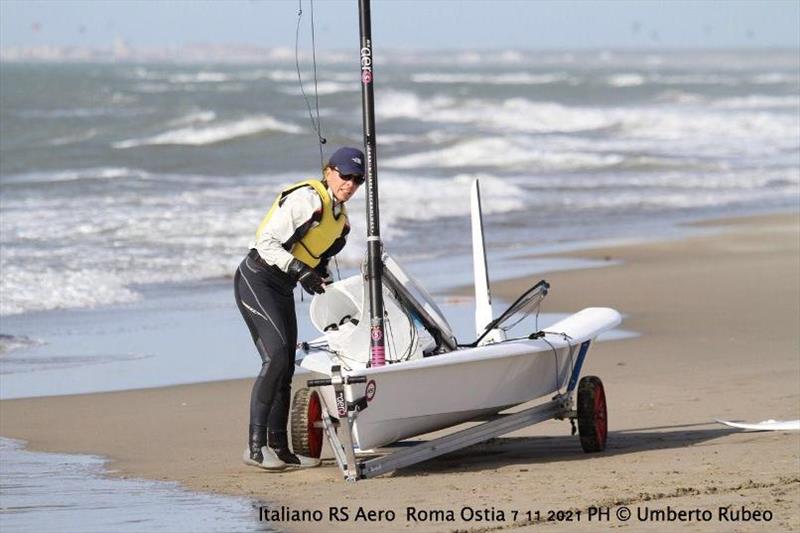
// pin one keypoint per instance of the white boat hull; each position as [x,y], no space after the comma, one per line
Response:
[416,397]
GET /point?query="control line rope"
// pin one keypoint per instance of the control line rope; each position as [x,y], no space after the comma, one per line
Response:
[316,125]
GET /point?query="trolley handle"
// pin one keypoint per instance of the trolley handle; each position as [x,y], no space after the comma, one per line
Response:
[347,381]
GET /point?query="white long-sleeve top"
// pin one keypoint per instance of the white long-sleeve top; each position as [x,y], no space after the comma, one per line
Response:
[297,209]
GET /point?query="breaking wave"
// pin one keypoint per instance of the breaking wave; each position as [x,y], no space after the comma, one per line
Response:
[509,78]
[83,112]
[215,133]
[99,173]
[194,117]
[519,152]
[199,77]
[405,198]
[514,114]
[26,290]
[626,80]
[710,129]
[687,137]
[757,101]
[322,88]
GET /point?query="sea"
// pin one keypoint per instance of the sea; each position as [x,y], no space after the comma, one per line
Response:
[130,191]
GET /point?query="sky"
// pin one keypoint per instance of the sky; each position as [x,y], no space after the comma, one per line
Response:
[403,24]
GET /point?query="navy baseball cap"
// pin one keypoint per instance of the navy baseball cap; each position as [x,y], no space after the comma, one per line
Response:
[348,161]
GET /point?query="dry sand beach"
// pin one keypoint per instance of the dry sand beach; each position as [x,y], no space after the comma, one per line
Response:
[719,317]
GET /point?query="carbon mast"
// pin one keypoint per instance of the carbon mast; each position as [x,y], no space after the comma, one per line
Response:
[374,244]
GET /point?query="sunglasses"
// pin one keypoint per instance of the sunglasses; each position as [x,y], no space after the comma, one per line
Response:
[351,177]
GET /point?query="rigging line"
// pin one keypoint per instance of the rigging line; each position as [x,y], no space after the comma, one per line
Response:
[316,126]
[555,356]
[413,336]
[388,324]
[336,262]
[524,316]
[571,354]
[322,140]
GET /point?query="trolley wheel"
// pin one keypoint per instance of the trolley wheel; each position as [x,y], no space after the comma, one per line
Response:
[592,414]
[307,423]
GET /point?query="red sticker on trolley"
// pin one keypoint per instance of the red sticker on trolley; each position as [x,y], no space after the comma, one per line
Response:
[371,388]
[366,77]
[377,333]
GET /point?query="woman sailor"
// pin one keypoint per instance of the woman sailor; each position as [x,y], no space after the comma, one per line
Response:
[306,226]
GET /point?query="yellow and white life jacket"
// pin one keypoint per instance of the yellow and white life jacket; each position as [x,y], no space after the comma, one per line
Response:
[311,247]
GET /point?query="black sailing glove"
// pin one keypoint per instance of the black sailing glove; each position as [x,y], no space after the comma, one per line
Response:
[324,273]
[310,280]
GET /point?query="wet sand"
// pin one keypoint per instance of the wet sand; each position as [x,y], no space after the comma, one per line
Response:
[720,322]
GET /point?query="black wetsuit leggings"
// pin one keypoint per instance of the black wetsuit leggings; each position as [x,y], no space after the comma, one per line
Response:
[267,306]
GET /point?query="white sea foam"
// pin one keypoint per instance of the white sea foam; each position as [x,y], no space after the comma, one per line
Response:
[719,126]
[307,76]
[679,97]
[433,136]
[774,78]
[643,183]
[193,117]
[254,75]
[152,88]
[214,133]
[687,148]
[504,152]
[72,139]
[674,199]
[322,88]
[512,133]
[230,88]
[199,77]
[523,115]
[110,243]
[83,112]
[159,88]
[626,80]
[286,75]
[401,104]
[411,198]
[505,78]
[757,101]
[512,115]
[122,98]
[202,76]
[97,173]
[693,79]
[701,131]
[41,289]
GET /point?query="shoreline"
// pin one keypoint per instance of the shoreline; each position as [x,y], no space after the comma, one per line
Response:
[710,309]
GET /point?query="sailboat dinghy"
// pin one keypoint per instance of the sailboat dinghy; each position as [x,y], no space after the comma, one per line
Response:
[388,366]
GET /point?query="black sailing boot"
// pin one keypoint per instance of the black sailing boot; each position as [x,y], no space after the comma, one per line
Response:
[279,443]
[257,452]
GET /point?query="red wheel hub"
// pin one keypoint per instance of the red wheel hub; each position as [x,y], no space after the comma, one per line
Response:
[314,427]
[600,414]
